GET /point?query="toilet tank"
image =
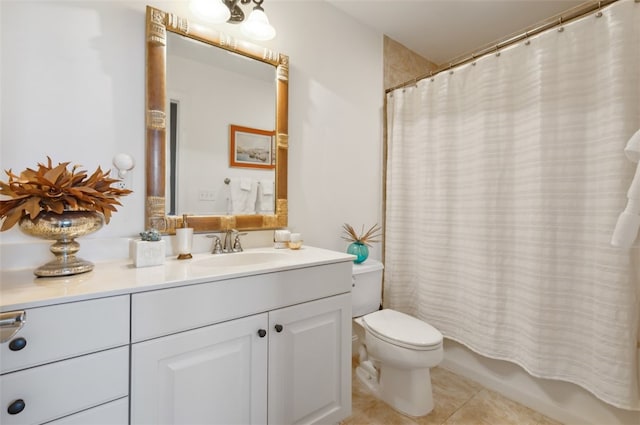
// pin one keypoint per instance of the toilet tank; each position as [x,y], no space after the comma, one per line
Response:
[366,293]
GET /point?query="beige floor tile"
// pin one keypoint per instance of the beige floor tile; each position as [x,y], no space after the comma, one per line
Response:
[368,410]
[378,413]
[457,401]
[490,408]
[544,420]
[450,392]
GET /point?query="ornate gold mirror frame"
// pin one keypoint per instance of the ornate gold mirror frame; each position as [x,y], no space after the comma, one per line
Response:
[158,23]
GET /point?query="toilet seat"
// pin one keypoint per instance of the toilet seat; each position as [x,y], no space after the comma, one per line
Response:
[402,330]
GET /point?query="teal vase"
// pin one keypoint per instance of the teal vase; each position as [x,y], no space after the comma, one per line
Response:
[360,250]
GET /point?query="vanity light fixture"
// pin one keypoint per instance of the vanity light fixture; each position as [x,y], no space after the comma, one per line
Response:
[213,11]
[256,26]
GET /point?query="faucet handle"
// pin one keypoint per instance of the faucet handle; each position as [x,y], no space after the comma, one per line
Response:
[237,247]
[217,244]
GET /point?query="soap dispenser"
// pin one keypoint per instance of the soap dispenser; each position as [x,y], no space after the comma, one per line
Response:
[185,239]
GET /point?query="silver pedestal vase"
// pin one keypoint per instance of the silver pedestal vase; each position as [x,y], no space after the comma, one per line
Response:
[63,228]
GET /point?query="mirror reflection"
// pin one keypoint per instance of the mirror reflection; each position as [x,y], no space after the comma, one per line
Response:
[217,97]
[216,129]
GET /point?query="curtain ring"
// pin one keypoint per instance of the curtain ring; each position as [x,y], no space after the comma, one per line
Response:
[450,70]
[473,59]
[527,41]
[560,28]
[599,14]
[497,50]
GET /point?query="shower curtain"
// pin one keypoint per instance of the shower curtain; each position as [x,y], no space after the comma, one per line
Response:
[505,178]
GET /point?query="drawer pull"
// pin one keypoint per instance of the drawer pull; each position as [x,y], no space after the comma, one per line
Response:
[17,344]
[10,323]
[16,407]
[279,328]
[12,318]
[262,333]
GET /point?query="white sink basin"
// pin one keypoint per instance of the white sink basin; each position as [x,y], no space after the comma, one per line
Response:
[240,259]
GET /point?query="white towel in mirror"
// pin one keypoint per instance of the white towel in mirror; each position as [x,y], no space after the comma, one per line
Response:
[246,183]
[267,187]
[265,204]
[243,201]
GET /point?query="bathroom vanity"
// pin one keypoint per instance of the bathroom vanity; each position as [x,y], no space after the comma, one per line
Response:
[262,336]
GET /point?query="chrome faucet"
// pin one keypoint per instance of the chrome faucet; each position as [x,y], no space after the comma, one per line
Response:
[231,242]
[228,244]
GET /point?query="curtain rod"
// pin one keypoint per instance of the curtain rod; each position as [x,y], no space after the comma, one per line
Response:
[557,20]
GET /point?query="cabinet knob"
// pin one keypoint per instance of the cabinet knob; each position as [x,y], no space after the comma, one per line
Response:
[278,328]
[17,344]
[16,407]
[262,333]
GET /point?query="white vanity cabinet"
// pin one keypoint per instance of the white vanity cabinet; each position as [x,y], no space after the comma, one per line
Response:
[211,375]
[68,358]
[184,343]
[310,362]
[210,353]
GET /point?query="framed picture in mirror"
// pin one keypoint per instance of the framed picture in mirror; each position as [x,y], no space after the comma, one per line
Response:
[251,147]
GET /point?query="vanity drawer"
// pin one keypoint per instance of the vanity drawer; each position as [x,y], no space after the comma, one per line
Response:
[166,311]
[114,413]
[62,388]
[65,330]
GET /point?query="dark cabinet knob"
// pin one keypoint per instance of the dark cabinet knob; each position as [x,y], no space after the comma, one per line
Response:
[262,333]
[16,407]
[278,328]
[17,344]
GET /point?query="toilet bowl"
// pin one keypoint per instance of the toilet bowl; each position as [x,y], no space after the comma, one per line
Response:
[398,350]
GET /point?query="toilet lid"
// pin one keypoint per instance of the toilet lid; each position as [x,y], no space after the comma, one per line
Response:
[402,329]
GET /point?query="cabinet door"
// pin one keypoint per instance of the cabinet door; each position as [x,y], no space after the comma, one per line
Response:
[310,362]
[211,375]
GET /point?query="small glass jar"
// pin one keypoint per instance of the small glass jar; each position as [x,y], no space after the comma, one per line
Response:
[360,250]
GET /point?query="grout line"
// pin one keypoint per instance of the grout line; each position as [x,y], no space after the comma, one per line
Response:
[462,405]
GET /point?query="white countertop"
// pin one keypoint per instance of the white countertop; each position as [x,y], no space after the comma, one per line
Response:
[20,289]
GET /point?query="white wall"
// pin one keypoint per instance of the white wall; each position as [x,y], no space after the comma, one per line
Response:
[72,87]
[335,121]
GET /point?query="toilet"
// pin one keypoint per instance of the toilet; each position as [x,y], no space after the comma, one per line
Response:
[396,350]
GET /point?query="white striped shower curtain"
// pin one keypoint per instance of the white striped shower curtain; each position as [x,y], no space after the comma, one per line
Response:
[504,182]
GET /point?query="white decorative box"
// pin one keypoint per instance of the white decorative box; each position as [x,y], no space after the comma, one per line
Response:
[147,253]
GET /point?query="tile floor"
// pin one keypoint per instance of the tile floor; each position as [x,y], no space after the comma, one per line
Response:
[458,401]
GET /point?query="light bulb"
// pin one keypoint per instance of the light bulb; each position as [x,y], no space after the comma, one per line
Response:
[213,11]
[257,26]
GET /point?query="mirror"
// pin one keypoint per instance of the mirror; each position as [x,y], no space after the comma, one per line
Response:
[198,130]
[250,146]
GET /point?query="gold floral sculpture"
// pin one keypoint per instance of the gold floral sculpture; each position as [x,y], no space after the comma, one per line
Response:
[57,189]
